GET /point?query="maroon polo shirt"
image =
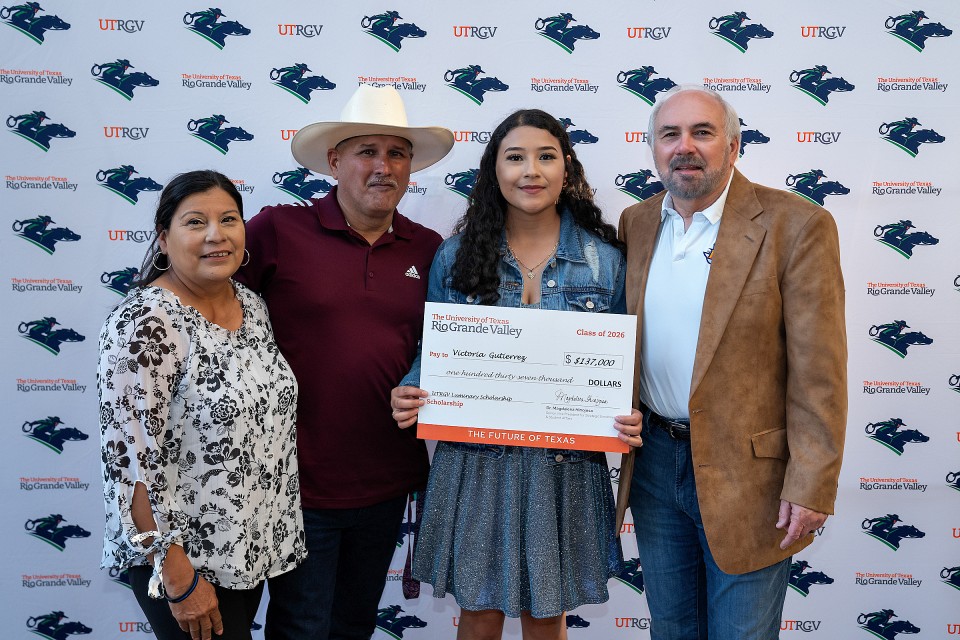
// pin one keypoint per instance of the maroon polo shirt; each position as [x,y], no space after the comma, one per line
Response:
[347,316]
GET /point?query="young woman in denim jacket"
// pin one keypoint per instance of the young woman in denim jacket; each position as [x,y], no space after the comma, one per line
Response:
[521,531]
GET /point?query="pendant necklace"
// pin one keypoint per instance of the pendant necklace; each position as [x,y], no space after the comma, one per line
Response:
[531,271]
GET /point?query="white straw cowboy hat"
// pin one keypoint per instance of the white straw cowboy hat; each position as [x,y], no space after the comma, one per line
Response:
[371,111]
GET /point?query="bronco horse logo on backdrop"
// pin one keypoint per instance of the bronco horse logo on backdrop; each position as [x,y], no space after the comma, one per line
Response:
[119,281]
[294,80]
[953,480]
[750,136]
[908,29]
[295,183]
[466,81]
[892,337]
[886,530]
[813,83]
[209,130]
[36,232]
[52,627]
[389,623]
[41,332]
[557,29]
[632,575]
[114,75]
[801,580]
[576,622]
[49,530]
[951,577]
[808,185]
[731,29]
[900,133]
[384,27]
[888,434]
[48,432]
[207,25]
[639,185]
[879,624]
[462,183]
[30,126]
[637,81]
[577,136]
[120,181]
[25,18]
[895,235]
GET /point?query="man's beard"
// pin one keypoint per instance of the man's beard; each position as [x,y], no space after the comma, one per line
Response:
[695,187]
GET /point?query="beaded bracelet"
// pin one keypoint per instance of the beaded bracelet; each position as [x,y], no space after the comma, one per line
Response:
[193,585]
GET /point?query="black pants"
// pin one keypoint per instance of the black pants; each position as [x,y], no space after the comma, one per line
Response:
[237,608]
[335,593]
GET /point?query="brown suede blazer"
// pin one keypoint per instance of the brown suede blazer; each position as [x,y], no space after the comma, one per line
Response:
[768,401]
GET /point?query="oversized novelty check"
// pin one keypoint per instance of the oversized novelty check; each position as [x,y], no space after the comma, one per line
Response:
[526,377]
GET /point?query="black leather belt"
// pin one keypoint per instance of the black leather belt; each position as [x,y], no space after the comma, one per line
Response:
[676,429]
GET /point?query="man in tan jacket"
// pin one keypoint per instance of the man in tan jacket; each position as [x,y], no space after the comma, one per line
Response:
[742,379]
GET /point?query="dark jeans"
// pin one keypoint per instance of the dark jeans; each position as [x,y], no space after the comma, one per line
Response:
[237,608]
[689,597]
[336,592]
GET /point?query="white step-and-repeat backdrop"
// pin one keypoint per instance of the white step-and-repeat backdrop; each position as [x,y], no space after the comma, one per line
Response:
[852,105]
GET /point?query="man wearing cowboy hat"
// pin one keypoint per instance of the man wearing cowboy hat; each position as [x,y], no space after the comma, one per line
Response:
[345,279]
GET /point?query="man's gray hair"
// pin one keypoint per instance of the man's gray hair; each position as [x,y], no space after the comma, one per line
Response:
[731,119]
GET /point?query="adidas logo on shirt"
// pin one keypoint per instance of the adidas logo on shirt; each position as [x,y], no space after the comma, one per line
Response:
[412,273]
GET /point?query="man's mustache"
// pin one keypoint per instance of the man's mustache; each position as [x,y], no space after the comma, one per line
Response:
[383,182]
[688,161]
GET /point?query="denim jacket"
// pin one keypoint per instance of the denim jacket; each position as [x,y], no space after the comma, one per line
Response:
[586,274]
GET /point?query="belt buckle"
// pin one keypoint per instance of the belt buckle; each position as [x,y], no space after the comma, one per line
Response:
[675,430]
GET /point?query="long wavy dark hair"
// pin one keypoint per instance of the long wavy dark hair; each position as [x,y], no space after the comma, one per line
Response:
[177,190]
[481,227]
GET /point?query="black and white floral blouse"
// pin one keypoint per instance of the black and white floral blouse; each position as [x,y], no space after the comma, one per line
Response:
[204,418]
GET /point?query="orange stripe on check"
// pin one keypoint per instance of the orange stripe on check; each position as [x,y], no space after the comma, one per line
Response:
[521,438]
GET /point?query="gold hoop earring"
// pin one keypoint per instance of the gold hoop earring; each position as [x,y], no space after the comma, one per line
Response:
[247,261]
[154,261]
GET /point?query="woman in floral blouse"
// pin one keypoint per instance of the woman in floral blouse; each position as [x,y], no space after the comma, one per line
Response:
[197,420]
